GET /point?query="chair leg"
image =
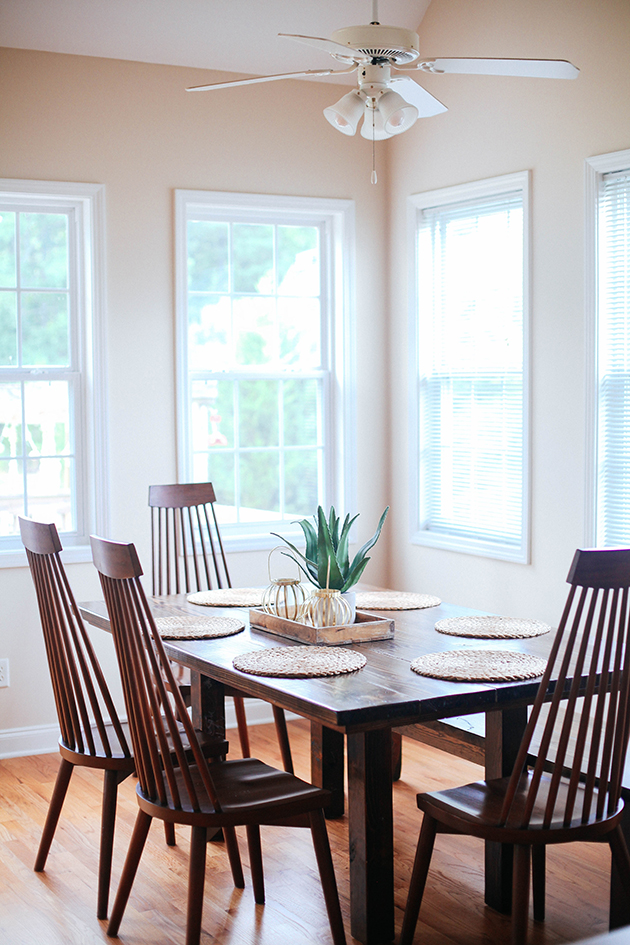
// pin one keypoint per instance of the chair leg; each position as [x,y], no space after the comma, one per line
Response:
[255,862]
[241,722]
[327,875]
[52,817]
[196,880]
[520,893]
[169,833]
[418,879]
[108,822]
[539,881]
[283,738]
[234,856]
[136,846]
[619,850]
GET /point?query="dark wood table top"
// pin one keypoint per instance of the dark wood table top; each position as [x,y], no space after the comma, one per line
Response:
[383,694]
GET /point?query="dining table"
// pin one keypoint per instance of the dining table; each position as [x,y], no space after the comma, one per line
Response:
[365,712]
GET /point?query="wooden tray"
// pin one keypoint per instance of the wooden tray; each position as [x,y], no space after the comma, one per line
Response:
[365,628]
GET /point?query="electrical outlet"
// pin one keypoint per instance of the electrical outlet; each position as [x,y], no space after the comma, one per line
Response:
[4,673]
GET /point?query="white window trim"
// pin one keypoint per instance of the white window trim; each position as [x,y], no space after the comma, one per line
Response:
[92,466]
[341,441]
[594,170]
[415,202]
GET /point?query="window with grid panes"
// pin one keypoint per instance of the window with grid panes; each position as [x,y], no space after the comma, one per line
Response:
[263,323]
[48,443]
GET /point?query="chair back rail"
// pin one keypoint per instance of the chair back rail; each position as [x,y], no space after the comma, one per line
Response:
[584,727]
[153,700]
[187,550]
[82,697]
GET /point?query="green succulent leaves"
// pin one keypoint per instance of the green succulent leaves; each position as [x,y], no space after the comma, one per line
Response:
[326,561]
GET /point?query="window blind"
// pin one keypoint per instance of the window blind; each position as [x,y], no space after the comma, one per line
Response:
[471,369]
[613,360]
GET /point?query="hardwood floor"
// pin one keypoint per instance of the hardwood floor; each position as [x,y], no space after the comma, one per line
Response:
[58,907]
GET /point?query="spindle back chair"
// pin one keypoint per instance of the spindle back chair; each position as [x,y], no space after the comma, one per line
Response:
[222,794]
[188,556]
[566,780]
[92,734]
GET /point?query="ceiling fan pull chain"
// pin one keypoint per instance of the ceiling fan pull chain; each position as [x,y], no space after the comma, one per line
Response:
[374,177]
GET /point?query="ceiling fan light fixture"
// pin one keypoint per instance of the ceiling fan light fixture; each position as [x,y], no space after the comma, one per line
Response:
[345,114]
[398,115]
[373,127]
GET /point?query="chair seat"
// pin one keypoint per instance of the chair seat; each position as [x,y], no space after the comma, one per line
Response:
[476,809]
[249,792]
[114,759]
[117,759]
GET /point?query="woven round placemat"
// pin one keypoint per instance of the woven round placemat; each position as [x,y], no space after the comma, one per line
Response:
[479,665]
[492,628]
[395,600]
[228,597]
[197,628]
[300,661]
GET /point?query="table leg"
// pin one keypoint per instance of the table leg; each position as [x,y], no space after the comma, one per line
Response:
[371,836]
[327,757]
[504,731]
[208,704]
[619,902]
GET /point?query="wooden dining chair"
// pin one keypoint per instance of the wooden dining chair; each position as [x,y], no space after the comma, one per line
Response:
[222,794]
[92,734]
[188,556]
[566,782]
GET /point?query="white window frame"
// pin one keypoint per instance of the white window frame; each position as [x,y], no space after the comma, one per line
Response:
[87,201]
[337,218]
[595,169]
[415,204]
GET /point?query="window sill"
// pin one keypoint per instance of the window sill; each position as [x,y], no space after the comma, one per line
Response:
[16,557]
[471,546]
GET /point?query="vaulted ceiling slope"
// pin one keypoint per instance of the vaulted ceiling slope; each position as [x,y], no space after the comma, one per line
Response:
[239,36]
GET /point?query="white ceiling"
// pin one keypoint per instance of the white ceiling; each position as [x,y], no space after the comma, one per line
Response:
[229,35]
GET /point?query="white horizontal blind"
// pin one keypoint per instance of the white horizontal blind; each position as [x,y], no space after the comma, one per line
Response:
[613,361]
[471,371]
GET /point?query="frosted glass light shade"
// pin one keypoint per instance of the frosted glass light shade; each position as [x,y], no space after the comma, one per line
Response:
[397,114]
[373,115]
[344,115]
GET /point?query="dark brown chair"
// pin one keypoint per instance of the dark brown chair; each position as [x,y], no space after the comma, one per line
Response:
[91,732]
[566,782]
[188,556]
[223,794]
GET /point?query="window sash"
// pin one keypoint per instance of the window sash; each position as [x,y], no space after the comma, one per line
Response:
[333,452]
[470,465]
[612,393]
[84,452]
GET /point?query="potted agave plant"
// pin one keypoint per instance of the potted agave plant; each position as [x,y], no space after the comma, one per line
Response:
[326,561]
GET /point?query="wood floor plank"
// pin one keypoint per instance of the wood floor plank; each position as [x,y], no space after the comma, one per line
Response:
[58,906]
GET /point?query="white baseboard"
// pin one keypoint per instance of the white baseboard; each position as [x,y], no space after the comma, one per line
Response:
[43,739]
[34,740]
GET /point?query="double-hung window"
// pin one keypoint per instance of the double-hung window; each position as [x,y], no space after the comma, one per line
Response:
[51,452]
[264,350]
[469,370]
[608,306]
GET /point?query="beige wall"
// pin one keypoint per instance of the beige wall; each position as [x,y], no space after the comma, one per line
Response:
[132,127]
[497,126]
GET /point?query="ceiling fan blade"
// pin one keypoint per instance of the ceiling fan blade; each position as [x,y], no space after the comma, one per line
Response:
[413,93]
[329,46]
[527,68]
[269,78]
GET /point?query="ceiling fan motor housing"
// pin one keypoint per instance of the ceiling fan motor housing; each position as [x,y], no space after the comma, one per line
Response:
[381,43]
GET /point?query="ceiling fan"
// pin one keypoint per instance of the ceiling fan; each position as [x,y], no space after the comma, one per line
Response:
[388,99]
